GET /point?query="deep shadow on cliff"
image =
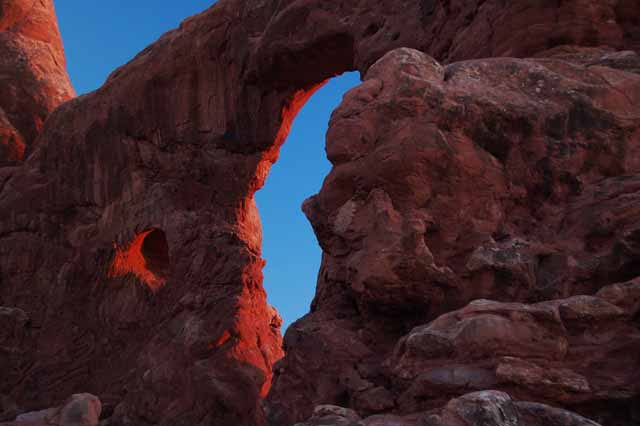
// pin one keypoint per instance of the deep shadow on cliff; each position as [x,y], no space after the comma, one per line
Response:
[479,225]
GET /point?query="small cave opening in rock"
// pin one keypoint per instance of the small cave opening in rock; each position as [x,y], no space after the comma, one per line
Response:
[146,257]
[155,251]
[289,244]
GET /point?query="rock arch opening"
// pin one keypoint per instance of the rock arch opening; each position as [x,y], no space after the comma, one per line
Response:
[289,245]
[146,257]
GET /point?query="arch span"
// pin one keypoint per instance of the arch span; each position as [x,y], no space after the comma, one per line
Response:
[183,136]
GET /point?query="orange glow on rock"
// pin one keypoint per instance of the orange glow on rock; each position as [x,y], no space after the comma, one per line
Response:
[224,338]
[268,349]
[288,115]
[146,257]
[221,341]
[291,110]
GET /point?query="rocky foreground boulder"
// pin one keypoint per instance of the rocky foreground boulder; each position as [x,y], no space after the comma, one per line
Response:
[78,410]
[485,408]
[478,227]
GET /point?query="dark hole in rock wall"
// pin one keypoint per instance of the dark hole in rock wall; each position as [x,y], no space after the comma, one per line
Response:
[146,257]
[155,250]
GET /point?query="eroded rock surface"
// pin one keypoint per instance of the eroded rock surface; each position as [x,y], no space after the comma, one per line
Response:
[79,410]
[574,352]
[130,241]
[503,179]
[33,76]
[486,408]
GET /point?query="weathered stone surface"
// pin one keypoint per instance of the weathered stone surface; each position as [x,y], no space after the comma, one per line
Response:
[486,179]
[534,414]
[78,410]
[481,408]
[575,352]
[333,415]
[493,408]
[486,408]
[15,347]
[33,77]
[625,296]
[131,240]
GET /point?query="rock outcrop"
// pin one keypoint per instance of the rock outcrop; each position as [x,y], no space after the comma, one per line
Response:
[577,352]
[486,408]
[130,240]
[504,179]
[33,74]
[79,410]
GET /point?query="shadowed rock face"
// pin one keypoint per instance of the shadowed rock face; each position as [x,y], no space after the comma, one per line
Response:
[78,410]
[504,179]
[130,241]
[33,73]
[486,408]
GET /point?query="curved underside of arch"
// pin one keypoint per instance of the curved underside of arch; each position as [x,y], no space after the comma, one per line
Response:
[452,182]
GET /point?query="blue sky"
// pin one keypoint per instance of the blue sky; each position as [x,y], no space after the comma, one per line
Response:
[102,35]
[289,244]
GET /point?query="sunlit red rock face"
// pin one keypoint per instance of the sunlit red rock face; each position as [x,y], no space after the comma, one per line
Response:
[130,260]
[33,77]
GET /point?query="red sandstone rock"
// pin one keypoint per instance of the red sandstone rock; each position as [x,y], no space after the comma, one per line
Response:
[500,179]
[78,410]
[487,408]
[33,76]
[131,241]
[572,352]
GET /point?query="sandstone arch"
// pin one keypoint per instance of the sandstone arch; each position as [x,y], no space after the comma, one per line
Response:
[180,138]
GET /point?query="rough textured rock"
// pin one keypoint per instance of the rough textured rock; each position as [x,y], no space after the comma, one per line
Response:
[130,239]
[534,414]
[575,352]
[504,179]
[78,410]
[33,77]
[14,355]
[486,408]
